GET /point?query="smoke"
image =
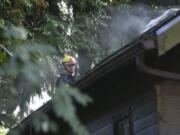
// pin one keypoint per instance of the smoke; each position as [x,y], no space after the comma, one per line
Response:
[126,24]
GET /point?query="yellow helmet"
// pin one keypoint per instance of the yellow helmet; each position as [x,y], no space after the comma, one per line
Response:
[69,60]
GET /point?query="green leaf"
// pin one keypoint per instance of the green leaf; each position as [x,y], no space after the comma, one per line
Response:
[63,106]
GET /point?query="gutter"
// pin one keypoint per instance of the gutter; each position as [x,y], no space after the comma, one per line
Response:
[155,72]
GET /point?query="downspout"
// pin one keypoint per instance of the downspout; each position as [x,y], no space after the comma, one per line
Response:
[155,72]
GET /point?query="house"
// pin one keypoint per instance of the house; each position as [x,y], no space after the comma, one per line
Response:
[136,90]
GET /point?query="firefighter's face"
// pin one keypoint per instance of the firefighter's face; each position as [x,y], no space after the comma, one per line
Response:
[70,68]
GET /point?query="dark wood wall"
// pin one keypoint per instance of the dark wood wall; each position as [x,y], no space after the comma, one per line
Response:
[145,117]
[136,113]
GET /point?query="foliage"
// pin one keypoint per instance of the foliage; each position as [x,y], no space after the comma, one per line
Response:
[32,35]
[63,106]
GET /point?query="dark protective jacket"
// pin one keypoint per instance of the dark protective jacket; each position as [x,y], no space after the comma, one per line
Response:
[65,79]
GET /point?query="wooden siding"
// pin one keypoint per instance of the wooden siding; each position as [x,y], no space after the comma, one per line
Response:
[145,114]
[168,95]
[102,126]
[141,109]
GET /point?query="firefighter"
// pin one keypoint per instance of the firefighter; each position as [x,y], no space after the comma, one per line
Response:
[69,74]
